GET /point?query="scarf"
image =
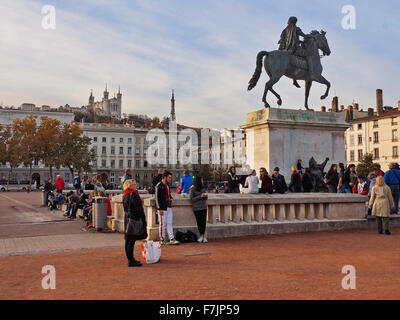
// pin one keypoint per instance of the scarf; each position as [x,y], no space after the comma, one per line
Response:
[128,191]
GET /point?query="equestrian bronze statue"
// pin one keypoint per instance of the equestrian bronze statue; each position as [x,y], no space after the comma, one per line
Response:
[295,59]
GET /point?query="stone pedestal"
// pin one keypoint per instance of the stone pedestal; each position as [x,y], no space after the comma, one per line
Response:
[279,137]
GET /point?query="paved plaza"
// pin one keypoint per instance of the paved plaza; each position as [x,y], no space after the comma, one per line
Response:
[93,265]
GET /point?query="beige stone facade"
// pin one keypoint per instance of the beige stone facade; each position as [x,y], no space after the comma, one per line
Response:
[376,135]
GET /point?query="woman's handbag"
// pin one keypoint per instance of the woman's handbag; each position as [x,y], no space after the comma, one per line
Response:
[135,227]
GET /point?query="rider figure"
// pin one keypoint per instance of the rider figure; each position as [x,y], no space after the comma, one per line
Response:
[291,43]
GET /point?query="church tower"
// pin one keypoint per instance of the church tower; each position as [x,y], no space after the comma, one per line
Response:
[119,99]
[106,103]
[91,98]
[172,115]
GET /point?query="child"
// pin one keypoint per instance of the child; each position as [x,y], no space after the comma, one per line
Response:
[361,187]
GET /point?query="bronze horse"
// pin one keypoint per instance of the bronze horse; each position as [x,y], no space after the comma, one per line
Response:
[279,63]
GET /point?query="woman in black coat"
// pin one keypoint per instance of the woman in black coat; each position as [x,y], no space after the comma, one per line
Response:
[233,181]
[133,207]
[295,181]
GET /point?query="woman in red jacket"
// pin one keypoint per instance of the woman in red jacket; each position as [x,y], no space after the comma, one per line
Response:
[60,183]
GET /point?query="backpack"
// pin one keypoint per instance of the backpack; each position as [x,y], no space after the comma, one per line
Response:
[186,237]
[76,182]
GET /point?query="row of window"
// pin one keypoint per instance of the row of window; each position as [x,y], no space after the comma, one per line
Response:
[121,150]
[376,138]
[121,163]
[121,140]
[395,153]
[375,124]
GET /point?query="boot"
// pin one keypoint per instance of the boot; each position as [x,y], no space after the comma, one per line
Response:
[134,263]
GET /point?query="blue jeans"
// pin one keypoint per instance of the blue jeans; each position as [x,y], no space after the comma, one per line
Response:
[395,194]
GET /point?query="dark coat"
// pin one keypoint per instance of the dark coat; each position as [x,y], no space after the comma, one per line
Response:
[233,182]
[161,197]
[307,182]
[295,183]
[133,208]
[154,183]
[333,178]
[279,184]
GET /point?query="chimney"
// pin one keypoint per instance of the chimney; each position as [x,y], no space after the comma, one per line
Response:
[379,102]
[323,108]
[335,104]
[342,108]
[349,113]
[398,105]
[370,112]
[355,106]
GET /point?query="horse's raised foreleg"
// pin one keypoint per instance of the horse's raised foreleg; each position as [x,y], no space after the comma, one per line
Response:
[308,87]
[322,80]
[268,86]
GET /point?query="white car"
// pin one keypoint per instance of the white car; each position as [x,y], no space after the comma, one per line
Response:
[2,188]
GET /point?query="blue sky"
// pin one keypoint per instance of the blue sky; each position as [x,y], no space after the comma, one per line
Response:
[205,50]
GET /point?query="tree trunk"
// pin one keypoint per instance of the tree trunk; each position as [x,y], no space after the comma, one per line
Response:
[51,172]
[9,176]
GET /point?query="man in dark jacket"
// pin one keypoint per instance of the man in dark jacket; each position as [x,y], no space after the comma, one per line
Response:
[278,182]
[48,191]
[164,208]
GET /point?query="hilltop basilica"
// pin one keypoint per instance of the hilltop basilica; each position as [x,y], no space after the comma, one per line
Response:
[106,107]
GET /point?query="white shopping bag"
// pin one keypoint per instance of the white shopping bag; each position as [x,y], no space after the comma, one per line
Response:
[151,251]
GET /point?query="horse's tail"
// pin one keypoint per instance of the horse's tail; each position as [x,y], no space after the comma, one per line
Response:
[253,81]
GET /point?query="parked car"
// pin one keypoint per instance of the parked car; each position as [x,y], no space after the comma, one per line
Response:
[2,188]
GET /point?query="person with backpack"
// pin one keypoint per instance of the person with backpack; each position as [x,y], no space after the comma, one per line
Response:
[77,182]
[198,198]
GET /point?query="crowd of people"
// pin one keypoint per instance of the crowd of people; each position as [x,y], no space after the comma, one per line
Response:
[382,188]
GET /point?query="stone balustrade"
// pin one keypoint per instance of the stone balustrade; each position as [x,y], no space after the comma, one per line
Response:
[247,214]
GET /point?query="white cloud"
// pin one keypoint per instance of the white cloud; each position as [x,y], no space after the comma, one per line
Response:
[206,51]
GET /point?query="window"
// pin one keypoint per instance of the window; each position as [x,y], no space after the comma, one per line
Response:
[95,149]
[375,123]
[66,177]
[137,140]
[103,163]
[360,155]
[137,150]
[129,150]
[395,152]
[112,150]
[145,163]
[112,140]
[94,139]
[359,126]
[376,137]
[121,140]
[104,139]
[95,163]
[129,163]
[394,122]
[394,135]
[112,177]
[121,150]
[137,163]
[103,150]
[352,140]
[36,162]
[129,140]
[376,153]
[112,163]
[360,139]
[121,163]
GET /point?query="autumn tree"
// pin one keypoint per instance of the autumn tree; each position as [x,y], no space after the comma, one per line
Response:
[25,131]
[366,165]
[76,153]
[219,174]
[10,148]
[49,145]
[205,172]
